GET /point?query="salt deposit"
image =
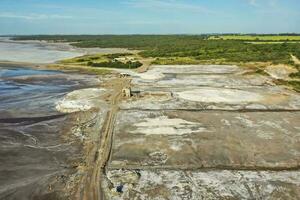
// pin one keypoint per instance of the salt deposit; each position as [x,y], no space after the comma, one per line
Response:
[151,75]
[220,95]
[165,126]
[222,184]
[80,100]
[198,69]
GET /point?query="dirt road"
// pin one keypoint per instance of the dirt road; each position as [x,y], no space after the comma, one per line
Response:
[90,187]
[295,59]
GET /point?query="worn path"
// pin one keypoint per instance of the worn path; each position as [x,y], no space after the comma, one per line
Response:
[296,60]
[100,153]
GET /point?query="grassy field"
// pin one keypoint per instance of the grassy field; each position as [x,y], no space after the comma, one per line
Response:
[79,68]
[272,42]
[257,37]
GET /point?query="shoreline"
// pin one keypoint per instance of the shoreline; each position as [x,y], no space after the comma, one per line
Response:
[49,48]
[67,46]
[78,132]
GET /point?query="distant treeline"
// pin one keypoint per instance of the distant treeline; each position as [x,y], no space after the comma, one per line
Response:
[257,34]
[195,46]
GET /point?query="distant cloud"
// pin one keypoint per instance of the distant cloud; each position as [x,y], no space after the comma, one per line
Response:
[169,5]
[253,2]
[265,3]
[33,16]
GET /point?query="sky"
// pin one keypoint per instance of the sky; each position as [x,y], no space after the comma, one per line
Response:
[148,16]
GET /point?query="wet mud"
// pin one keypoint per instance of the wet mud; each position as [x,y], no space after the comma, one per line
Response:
[40,147]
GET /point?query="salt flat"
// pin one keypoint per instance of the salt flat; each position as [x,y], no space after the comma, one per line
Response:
[205,132]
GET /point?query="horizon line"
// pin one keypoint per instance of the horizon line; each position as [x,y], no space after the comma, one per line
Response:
[108,34]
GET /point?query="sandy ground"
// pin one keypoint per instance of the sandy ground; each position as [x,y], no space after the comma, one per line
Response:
[281,71]
[296,60]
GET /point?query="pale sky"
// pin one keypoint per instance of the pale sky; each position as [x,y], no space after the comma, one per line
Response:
[148,16]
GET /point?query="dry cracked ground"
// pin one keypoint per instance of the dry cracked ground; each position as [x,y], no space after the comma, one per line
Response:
[205,132]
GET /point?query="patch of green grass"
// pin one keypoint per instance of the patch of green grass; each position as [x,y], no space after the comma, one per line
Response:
[294,84]
[280,42]
[257,37]
[258,70]
[81,69]
[83,60]
[295,75]
[175,61]
[261,72]
[97,71]
[104,61]
[117,64]
[117,55]
[186,61]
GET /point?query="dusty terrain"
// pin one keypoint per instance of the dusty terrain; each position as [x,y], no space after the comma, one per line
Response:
[204,132]
[186,132]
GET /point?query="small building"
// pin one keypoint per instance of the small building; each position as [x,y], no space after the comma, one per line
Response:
[124,75]
[126,92]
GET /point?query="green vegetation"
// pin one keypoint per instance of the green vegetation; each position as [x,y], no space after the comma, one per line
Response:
[81,69]
[189,49]
[297,74]
[117,64]
[177,61]
[271,42]
[294,84]
[105,61]
[257,37]
[260,71]
[83,60]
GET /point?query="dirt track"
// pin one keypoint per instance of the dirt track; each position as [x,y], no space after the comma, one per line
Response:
[296,60]
[90,187]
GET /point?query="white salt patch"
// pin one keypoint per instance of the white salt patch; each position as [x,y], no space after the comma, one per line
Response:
[196,185]
[265,135]
[176,146]
[164,126]
[218,69]
[220,95]
[80,100]
[245,121]
[151,75]
[225,122]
